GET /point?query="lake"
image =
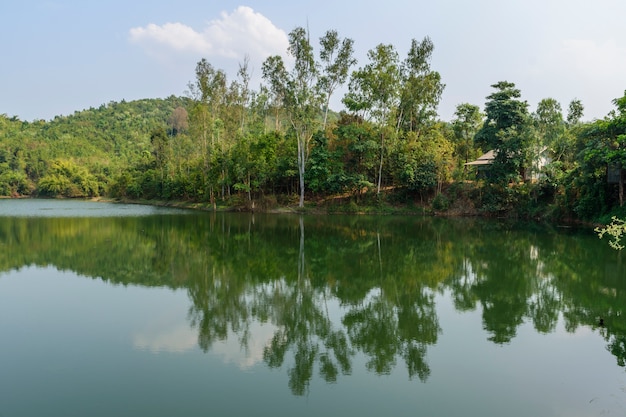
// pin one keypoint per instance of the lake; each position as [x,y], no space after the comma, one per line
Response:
[129,310]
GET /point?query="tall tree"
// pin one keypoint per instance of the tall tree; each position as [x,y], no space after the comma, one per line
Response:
[421,87]
[276,75]
[550,128]
[208,93]
[244,97]
[337,57]
[466,123]
[505,131]
[299,93]
[374,92]
[161,152]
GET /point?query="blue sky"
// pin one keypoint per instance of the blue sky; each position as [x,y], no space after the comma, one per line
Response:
[59,56]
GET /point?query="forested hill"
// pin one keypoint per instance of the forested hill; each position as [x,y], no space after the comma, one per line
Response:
[88,148]
[115,127]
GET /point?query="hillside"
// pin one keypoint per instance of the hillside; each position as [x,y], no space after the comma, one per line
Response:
[91,147]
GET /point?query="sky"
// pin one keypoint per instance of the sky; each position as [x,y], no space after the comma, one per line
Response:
[62,56]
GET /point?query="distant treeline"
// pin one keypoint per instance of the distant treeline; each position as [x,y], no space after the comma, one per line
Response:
[229,144]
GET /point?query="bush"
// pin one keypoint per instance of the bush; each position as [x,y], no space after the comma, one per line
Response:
[67,179]
[440,202]
[13,183]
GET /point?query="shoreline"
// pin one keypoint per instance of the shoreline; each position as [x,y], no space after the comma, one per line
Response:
[321,210]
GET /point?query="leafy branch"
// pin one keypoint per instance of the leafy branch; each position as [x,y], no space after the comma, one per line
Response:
[616,229]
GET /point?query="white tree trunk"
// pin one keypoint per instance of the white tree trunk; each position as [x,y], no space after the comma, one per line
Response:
[301,167]
[380,168]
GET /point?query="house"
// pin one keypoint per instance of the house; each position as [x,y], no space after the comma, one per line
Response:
[541,159]
[482,164]
[532,173]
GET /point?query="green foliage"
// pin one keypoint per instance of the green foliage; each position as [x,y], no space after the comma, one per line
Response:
[320,169]
[506,132]
[336,57]
[66,179]
[466,123]
[299,90]
[549,122]
[600,146]
[421,88]
[374,89]
[441,202]
[616,230]
[104,142]
[575,112]
[422,162]
[497,200]
[418,174]
[14,183]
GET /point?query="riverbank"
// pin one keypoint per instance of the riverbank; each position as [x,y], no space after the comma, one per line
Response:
[519,202]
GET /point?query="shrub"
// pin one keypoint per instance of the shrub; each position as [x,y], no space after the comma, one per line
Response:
[440,202]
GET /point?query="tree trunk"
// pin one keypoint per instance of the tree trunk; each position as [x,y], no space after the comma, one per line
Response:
[326,112]
[301,162]
[249,189]
[380,168]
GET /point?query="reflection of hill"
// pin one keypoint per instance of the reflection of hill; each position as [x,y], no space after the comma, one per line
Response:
[383,272]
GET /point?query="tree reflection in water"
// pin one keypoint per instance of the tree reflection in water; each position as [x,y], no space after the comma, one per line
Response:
[338,287]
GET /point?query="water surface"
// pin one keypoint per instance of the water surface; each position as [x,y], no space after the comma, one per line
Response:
[138,311]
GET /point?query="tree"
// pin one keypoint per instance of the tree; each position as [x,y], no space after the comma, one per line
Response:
[505,131]
[298,91]
[466,123]
[550,132]
[65,178]
[178,121]
[336,57]
[575,112]
[244,96]
[617,133]
[374,91]
[276,75]
[421,87]
[600,161]
[356,143]
[208,93]
[162,153]
[549,121]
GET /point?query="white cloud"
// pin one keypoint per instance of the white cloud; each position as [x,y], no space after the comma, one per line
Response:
[171,35]
[174,339]
[233,36]
[231,351]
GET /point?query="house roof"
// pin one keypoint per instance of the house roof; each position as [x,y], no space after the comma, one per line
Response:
[485,159]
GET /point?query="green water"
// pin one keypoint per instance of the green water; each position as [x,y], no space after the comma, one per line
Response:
[117,310]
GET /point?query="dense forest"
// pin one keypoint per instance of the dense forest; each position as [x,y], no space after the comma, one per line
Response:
[226,144]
